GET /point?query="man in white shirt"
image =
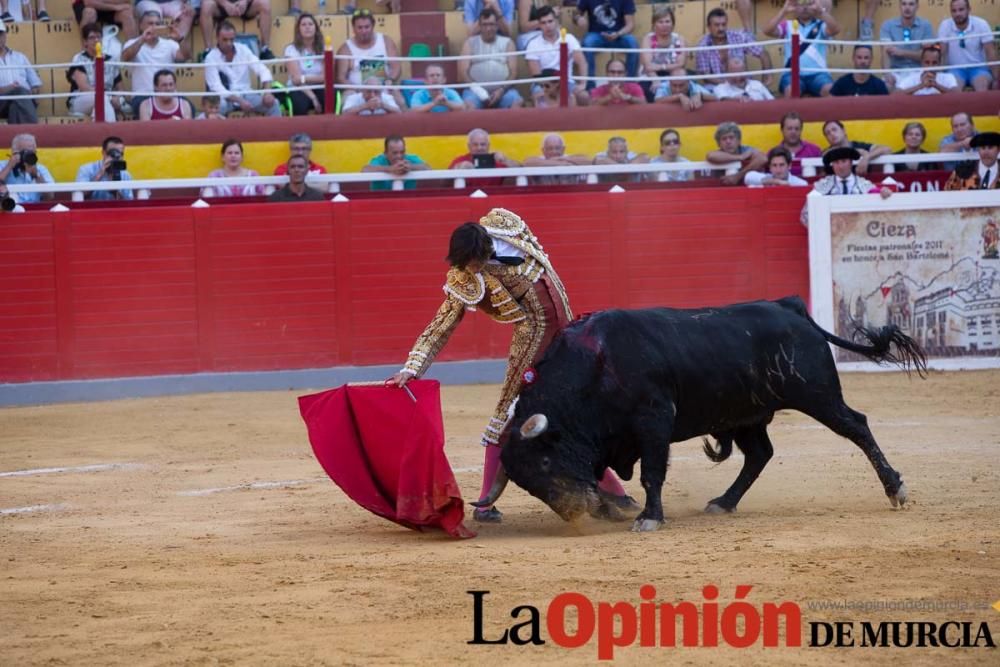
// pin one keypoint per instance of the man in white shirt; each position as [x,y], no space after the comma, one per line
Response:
[742,87]
[924,82]
[779,161]
[370,101]
[228,74]
[841,179]
[543,54]
[20,79]
[974,48]
[151,53]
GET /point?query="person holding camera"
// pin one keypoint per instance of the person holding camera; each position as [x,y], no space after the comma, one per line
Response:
[111,167]
[7,202]
[23,168]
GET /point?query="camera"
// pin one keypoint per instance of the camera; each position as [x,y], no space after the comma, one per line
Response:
[117,164]
[29,158]
[7,203]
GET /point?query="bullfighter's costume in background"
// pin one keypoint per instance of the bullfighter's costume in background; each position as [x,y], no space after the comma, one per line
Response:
[516,286]
[976,175]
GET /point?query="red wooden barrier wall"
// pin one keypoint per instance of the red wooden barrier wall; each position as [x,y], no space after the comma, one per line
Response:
[166,290]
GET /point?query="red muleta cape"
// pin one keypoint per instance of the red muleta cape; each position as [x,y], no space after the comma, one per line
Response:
[386,451]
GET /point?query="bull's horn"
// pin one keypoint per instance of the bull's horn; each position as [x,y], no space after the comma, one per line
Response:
[499,484]
[534,426]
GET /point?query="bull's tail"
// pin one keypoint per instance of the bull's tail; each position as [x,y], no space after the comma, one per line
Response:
[886,344]
[722,450]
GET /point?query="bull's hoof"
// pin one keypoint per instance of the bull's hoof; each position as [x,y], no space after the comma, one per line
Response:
[616,508]
[713,508]
[646,525]
[899,498]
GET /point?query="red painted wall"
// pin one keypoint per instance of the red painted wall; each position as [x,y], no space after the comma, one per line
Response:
[164,290]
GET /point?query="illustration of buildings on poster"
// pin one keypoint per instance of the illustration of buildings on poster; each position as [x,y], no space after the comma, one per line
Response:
[935,274]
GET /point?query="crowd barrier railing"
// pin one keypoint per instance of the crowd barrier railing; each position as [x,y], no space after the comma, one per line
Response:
[459,178]
[564,74]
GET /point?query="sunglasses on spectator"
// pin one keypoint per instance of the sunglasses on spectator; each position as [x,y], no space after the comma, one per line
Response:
[906,34]
[961,42]
[361,12]
[671,142]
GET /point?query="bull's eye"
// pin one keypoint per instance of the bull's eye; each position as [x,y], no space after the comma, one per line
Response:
[545,464]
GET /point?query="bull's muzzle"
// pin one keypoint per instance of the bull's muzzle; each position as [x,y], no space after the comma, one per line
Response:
[534,426]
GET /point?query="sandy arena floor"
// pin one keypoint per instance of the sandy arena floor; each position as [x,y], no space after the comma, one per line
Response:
[220,541]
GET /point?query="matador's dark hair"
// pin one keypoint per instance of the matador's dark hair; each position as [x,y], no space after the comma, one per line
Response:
[469,243]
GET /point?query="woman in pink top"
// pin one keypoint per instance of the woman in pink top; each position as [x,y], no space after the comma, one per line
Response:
[232,167]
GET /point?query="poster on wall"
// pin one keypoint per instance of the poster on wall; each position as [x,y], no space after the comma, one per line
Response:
[928,263]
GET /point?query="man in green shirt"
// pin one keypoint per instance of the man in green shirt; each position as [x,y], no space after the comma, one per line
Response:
[395,160]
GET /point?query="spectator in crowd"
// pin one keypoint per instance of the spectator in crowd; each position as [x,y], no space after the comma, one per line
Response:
[963,129]
[543,54]
[981,174]
[907,27]
[150,53]
[554,155]
[779,161]
[166,104]
[227,73]
[23,168]
[81,77]
[791,140]
[616,91]
[435,97]
[370,101]
[914,134]
[296,189]
[659,48]
[502,9]
[670,152]
[545,94]
[307,44]
[618,153]
[227,11]
[712,62]
[20,80]
[527,19]
[396,161]
[837,137]
[686,92]
[300,144]
[480,156]
[9,199]
[842,179]
[107,12]
[860,82]
[367,51]
[111,167]
[815,23]
[927,82]
[211,106]
[180,12]
[9,12]
[232,167]
[742,87]
[969,55]
[609,25]
[492,73]
[729,138]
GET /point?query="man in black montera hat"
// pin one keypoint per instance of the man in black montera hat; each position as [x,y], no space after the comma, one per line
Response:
[979,174]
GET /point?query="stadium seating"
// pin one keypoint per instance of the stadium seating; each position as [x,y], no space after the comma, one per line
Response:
[58,40]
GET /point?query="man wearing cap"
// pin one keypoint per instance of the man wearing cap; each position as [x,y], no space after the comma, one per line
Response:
[982,174]
[841,179]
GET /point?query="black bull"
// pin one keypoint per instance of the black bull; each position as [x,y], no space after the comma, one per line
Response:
[619,386]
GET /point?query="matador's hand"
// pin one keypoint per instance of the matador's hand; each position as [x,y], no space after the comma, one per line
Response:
[400,379]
